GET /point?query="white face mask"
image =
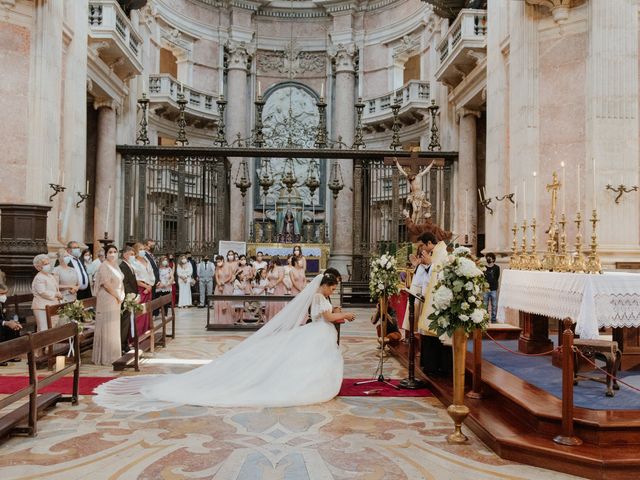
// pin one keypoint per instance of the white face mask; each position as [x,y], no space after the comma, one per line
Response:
[87,258]
[183,261]
[112,255]
[3,298]
[76,252]
[48,268]
[165,263]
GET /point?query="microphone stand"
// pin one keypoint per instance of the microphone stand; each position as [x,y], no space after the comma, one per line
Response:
[378,374]
[410,383]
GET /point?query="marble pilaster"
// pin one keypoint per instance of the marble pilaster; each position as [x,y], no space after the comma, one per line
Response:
[236,115]
[466,211]
[343,125]
[106,171]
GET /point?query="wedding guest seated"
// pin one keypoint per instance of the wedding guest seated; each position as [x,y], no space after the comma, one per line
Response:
[9,329]
[66,276]
[44,289]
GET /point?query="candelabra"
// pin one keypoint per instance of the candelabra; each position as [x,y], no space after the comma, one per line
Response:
[534,260]
[143,135]
[434,143]
[514,262]
[563,262]
[56,190]
[395,128]
[620,190]
[358,138]
[593,262]
[221,139]
[258,134]
[83,197]
[182,123]
[578,265]
[336,183]
[524,259]
[485,203]
[289,178]
[321,129]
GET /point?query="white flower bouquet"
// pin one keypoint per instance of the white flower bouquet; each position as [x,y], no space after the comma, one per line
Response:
[384,277]
[132,303]
[75,312]
[457,296]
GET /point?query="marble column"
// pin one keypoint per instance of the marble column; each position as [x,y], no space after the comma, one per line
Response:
[466,211]
[236,115]
[106,170]
[343,125]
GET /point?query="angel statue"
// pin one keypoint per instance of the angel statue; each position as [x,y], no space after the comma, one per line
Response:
[419,206]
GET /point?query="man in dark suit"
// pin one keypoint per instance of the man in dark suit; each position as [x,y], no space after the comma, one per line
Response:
[9,329]
[149,246]
[130,286]
[74,251]
[194,275]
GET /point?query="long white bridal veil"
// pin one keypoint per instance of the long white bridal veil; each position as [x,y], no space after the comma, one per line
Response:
[212,384]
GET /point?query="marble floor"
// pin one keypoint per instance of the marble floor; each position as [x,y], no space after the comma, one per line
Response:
[346,438]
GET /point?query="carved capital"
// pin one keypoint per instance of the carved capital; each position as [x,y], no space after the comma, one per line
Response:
[559,8]
[238,55]
[344,57]
[99,103]
[463,112]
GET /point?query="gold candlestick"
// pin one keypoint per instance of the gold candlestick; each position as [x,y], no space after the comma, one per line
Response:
[549,259]
[578,264]
[524,259]
[593,263]
[563,262]
[514,262]
[534,260]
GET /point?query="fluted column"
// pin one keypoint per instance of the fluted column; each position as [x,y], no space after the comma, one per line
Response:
[106,168]
[466,211]
[236,123]
[343,123]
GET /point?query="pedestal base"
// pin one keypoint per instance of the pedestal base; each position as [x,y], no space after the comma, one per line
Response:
[458,413]
[535,334]
[411,384]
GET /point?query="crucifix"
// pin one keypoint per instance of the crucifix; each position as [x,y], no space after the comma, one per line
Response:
[554,187]
[419,208]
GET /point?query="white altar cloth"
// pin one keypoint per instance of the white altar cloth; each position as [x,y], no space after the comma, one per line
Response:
[592,301]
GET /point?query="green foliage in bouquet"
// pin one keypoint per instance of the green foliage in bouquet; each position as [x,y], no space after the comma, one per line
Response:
[457,295]
[384,277]
[131,303]
[75,311]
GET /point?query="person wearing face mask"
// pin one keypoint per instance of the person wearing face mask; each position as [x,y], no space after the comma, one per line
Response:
[245,268]
[185,275]
[149,247]
[45,290]
[74,253]
[194,275]
[66,276]
[109,289]
[492,275]
[259,264]
[91,265]
[9,329]
[130,286]
[206,271]
[166,277]
[224,286]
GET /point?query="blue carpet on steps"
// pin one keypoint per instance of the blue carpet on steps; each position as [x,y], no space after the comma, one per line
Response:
[538,371]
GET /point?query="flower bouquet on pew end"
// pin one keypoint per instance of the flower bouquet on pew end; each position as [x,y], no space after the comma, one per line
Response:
[75,312]
[131,303]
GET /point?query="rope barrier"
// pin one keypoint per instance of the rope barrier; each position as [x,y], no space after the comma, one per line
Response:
[613,377]
[559,349]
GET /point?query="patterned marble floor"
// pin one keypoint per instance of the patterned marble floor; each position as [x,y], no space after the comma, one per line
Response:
[346,438]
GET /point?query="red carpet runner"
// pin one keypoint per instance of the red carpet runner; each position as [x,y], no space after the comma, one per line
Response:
[377,389]
[11,384]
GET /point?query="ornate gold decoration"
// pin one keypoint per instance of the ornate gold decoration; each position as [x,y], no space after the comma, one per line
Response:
[578,265]
[563,261]
[534,260]
[514,261]
[524,259]
[593,262]
[549,259]
[458,411]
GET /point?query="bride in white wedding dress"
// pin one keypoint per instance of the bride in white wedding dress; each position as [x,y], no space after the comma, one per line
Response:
[287,362]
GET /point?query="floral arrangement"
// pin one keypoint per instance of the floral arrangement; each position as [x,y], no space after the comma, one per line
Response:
[457,295]
[75,311]
[384,276]
[132,303]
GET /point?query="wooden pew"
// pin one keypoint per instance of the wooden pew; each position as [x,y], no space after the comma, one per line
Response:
[86,336]
[28,344]
[156,335]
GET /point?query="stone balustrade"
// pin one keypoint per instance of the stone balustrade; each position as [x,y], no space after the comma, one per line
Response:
[468,33]
[114,38]
[413,97]
[164,89]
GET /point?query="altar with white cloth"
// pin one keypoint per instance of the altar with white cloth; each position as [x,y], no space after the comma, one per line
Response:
[591,301]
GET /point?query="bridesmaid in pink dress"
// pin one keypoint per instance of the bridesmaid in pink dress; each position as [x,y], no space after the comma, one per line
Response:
[275,277]
[224,286]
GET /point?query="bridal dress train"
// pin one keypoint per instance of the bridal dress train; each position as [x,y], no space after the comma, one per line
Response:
[285,363]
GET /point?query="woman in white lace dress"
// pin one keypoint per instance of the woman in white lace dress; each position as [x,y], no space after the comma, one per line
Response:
[287,362]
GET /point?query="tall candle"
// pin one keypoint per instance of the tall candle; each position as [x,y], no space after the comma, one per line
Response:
[86,190]
[144,85]
[131,217]
[322,90]
[480,194]
[594,182]
[524,199]
[535,194]
[515,205]
[443,208]
[259,89]
[106,219]
[579,189]
[564,188]
[62,180]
